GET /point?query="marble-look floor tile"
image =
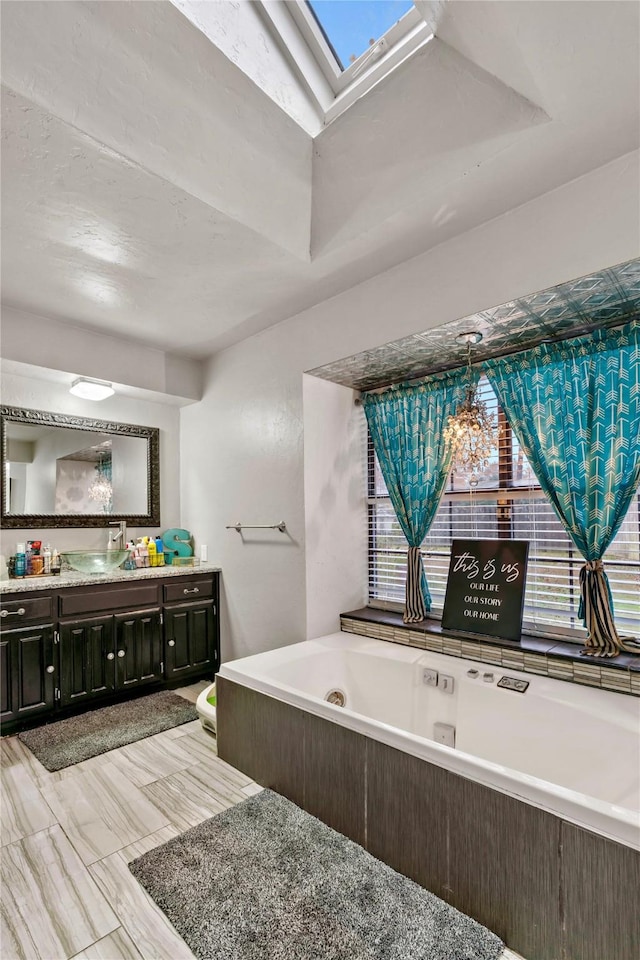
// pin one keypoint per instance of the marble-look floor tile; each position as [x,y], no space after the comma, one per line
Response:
[208,776]
[144,922]
[153,840]
[197,748]
[101,811]
[202,753]
[55,776]
[14,753]
[151,759]
[193,691]
[251,789]
[51,906]
[115,946]
[185,800]
[185,728]
[24,809]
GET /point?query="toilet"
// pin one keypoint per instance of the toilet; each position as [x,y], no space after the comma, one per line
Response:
[207,711]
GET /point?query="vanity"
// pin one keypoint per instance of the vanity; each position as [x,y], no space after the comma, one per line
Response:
[77,640]
[71,642]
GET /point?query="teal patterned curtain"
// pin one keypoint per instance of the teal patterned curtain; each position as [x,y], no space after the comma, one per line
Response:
[575,409]
[406,425]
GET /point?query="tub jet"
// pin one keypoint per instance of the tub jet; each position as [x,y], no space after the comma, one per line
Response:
[337,697]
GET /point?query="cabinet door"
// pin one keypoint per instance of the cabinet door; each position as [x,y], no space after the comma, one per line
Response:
[87,659]
[138,648]
[27,682]
[190,639]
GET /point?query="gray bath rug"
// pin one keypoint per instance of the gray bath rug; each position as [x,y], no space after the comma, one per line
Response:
[65,742]
[266,881]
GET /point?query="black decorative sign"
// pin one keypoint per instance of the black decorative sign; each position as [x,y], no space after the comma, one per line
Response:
[485,587]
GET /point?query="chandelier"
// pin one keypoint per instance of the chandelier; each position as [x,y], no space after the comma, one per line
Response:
[472,430]
[100,488]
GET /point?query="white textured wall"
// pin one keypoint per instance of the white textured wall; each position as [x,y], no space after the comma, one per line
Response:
[37,394]
[240,32]
[168,100]
[44,342]
[243,447]
[335,504]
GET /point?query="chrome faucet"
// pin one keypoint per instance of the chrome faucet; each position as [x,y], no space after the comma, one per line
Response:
[118,540]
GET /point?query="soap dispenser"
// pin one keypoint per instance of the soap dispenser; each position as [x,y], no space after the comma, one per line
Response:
[20,566]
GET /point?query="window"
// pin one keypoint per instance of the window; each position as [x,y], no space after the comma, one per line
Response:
[352,27]
[506,503]
[329,42]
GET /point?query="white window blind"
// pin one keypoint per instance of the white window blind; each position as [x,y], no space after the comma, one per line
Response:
[506,503]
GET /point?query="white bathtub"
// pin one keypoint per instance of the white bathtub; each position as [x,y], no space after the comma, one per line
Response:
[567,749]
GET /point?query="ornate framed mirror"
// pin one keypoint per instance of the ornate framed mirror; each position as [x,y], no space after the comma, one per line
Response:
[65,471]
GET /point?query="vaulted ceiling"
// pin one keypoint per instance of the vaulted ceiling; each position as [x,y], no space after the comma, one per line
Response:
[154,191]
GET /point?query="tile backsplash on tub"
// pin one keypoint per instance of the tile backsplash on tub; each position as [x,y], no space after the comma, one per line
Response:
[621,677]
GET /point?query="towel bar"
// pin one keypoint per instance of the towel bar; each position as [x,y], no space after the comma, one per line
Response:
[257,526]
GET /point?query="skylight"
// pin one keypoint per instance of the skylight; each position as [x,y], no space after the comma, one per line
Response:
[341,48]
[351,27]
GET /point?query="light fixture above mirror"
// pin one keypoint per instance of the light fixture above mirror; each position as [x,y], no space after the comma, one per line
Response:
[90,389]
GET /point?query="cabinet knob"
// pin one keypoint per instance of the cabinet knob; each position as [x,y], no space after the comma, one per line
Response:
[20,612]
[111,656]
[50,669]
[195,590]
[171,643]
[121,653]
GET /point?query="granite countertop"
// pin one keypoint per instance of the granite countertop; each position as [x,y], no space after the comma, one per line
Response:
[71,578]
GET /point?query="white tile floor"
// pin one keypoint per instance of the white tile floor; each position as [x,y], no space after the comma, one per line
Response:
[67,838]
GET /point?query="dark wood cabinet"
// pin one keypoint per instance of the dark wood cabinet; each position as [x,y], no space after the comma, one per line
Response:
[28,668]
[87,657]
[105,642]
[138,647]
[190,639]
[100,655]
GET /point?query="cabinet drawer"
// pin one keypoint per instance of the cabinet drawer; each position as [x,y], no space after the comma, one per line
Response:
[15,612]
[94,601]
[188,590]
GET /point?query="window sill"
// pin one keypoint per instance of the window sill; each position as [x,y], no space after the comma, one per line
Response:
[552,658]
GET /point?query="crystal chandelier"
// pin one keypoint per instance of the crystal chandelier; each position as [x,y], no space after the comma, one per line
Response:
[100,488]
[472,430]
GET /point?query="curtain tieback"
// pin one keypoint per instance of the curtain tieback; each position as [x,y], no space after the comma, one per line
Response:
[414,610]
[595,608]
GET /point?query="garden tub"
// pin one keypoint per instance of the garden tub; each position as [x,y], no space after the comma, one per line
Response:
[512,796]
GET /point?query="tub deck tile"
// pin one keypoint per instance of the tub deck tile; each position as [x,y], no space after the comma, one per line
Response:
[405,797]
[559,670]
[433,643]
[334,755]
[535,664]
[601,919]
[512,661]
[518,899]
[616,680]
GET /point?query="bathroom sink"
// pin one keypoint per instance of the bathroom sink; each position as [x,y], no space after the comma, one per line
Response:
[94,561]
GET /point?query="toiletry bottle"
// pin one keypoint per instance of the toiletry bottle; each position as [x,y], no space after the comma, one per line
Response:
[160,551]
[46,556]
[27,560]
[151,550]
[21,561]
[56,563]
